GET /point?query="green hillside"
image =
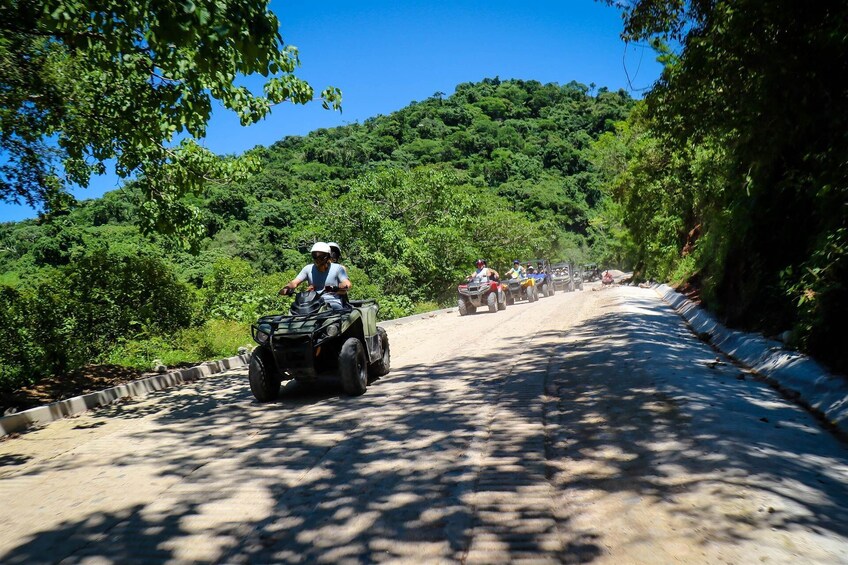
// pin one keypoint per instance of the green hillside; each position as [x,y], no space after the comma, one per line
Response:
[499,169]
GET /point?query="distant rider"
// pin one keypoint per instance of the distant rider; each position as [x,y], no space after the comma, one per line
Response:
[517,271]
[322,272]
[482,273]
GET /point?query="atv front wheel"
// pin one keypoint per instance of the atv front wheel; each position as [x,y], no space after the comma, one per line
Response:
[353,367]
[381,367]
[263,377]
[545,290]
[463,308]
[502,304]
[510,300]
[492,302]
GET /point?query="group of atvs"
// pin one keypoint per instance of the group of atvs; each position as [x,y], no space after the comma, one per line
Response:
[488,291]
[314,341]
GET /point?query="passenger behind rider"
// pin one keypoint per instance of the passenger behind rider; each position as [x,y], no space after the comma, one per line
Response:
[322,273]
[531,270]
[517,271]
[336,255]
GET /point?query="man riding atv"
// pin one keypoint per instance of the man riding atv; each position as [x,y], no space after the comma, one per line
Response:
[483,272]
[323,273]
[323,335]
[482,288]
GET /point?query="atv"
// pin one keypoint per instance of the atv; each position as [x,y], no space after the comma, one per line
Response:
[567,277]
[544,282]
[523,288]
[478,293]
[315,341]
[561,277]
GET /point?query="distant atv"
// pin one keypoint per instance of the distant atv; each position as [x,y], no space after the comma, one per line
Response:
[543,278]
[523,288]
[562,279]
[314,341]
[477,293]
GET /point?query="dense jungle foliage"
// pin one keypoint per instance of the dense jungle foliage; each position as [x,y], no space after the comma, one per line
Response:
[499,169]
[733,172]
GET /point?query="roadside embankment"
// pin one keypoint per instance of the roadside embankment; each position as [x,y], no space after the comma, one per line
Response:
[794,373]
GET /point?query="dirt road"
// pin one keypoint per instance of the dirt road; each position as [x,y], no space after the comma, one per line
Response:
[586,427]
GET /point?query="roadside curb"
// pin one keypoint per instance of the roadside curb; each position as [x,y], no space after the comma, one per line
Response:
[78,404]
[41,415]
[795,373]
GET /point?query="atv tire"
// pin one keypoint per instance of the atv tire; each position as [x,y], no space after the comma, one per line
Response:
[353,367]
[510,300]
[492,302]
[545,290]
[382,367]
[502,303]
[463,308]
[263,377]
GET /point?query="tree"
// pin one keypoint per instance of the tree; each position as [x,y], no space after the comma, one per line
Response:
[87,81]
[755,105]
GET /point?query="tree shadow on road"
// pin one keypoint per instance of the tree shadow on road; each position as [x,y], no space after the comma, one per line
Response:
[667,427]
[482,457]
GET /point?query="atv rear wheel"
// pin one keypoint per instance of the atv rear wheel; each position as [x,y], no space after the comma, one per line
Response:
[381,367]
[492,302]
[263,377]
[353,367]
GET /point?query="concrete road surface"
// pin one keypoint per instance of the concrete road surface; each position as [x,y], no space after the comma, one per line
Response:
[589,427]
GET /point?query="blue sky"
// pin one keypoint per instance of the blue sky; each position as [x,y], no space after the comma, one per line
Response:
[385,54]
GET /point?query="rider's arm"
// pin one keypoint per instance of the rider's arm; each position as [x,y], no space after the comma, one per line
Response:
[301,276]
[289,288]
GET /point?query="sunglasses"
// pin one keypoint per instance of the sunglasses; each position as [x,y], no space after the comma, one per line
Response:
[319,256]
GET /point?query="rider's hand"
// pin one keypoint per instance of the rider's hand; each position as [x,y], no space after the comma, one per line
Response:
[285,291]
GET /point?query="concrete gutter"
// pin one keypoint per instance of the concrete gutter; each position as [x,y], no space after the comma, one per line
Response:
[42,415]
[56,411]
[794,373]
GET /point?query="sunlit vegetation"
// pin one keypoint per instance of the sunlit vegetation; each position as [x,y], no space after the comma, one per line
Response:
[499,169]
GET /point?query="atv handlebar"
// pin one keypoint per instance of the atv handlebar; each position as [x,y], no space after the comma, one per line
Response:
[285,291]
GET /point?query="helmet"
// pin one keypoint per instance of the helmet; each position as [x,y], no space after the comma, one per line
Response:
[335,250]
[320,247]
[480,262]
[516,262]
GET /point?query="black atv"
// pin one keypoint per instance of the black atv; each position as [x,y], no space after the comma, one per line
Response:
[315,341]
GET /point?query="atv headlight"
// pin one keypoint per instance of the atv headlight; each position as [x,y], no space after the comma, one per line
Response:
[263,332]
[328,331]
